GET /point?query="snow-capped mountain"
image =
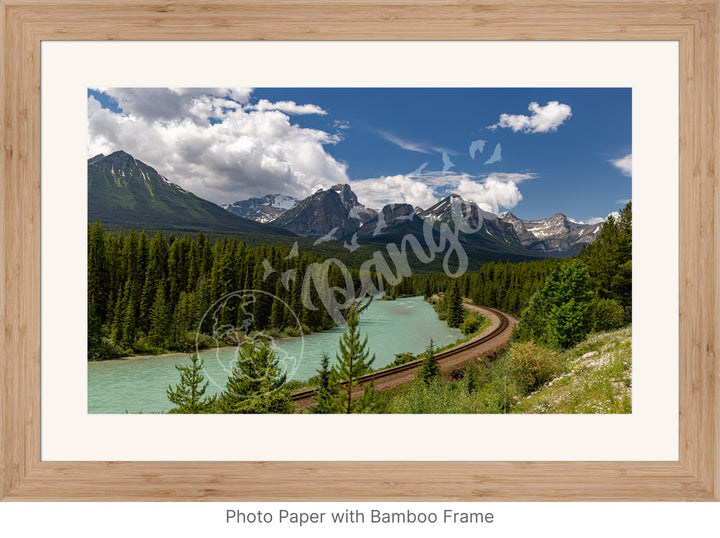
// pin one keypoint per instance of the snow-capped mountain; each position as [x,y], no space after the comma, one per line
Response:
[455,208]
[263,209]
[333,213]
[552,235]
[336,214]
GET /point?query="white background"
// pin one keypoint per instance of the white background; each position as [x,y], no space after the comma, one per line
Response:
[514,520]
[69,433]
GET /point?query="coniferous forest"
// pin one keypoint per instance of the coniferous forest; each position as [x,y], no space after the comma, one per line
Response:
[149,294]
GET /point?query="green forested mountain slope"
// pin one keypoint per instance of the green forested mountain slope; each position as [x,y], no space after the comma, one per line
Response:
[125,192]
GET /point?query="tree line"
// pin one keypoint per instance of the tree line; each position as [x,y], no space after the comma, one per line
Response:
[149,294]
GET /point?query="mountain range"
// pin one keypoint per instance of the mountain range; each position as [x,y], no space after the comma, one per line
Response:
[335,213]
[125,192]
[264,209]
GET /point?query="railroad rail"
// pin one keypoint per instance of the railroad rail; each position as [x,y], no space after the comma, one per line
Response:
[497,332]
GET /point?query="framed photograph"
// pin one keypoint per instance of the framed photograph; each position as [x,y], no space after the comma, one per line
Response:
[450,229]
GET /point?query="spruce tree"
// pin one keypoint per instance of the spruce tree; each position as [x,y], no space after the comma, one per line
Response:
[159,319]
[327,393]
[430,369]
[128,323]
[189,395]
[353,359]
[456,312]
[256,383]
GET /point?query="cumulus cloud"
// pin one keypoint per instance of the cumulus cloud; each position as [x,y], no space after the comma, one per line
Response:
[624,164]
[494,191]
[173,104]
[289,107]
[424,190]
[378,192]
[543,119]
[598,220]
[246,152]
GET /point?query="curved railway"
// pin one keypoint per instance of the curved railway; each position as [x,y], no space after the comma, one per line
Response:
[493,338]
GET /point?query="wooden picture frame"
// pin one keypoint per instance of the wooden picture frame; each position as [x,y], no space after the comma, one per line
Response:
[693,24]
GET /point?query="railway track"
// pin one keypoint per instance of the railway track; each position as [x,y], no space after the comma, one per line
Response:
[445,358]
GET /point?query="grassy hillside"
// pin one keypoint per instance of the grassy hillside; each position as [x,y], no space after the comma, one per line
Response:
[593,377]
[596,377]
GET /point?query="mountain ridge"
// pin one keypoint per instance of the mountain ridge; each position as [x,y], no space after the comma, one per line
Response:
[126,192]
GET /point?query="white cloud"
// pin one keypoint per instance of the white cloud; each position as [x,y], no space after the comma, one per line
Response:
[624,164]
[244,153]
[598,220]
[424,190]
[542,120]
[378,192]
[622,201]
[173,104]
[290,107]
[404,144]
[493,192]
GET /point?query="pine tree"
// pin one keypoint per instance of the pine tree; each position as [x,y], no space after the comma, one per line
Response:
[456,312]
[159,319]
[353,357]
[256,383]
[98,273]
[327,393]
[427,292]
[128,322]
[430,369]
[278,308]
[189,395]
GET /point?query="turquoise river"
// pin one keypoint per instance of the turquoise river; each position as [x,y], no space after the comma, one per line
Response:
[138,384]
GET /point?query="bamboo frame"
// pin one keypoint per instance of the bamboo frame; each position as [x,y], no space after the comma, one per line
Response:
[694,24]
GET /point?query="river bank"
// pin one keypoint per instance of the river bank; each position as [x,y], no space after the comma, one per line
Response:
[139,383]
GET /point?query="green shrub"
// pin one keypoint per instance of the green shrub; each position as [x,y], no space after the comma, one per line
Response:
[471,325]
[104,348]
[608,314]
[402,358]
[531,365]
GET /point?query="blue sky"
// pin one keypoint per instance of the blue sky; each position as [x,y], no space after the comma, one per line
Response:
[540,151]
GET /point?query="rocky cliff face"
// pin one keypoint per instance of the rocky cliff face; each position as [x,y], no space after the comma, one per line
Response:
[455,208]
[263,209]
[551,235]
[334,212]
[392,219]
